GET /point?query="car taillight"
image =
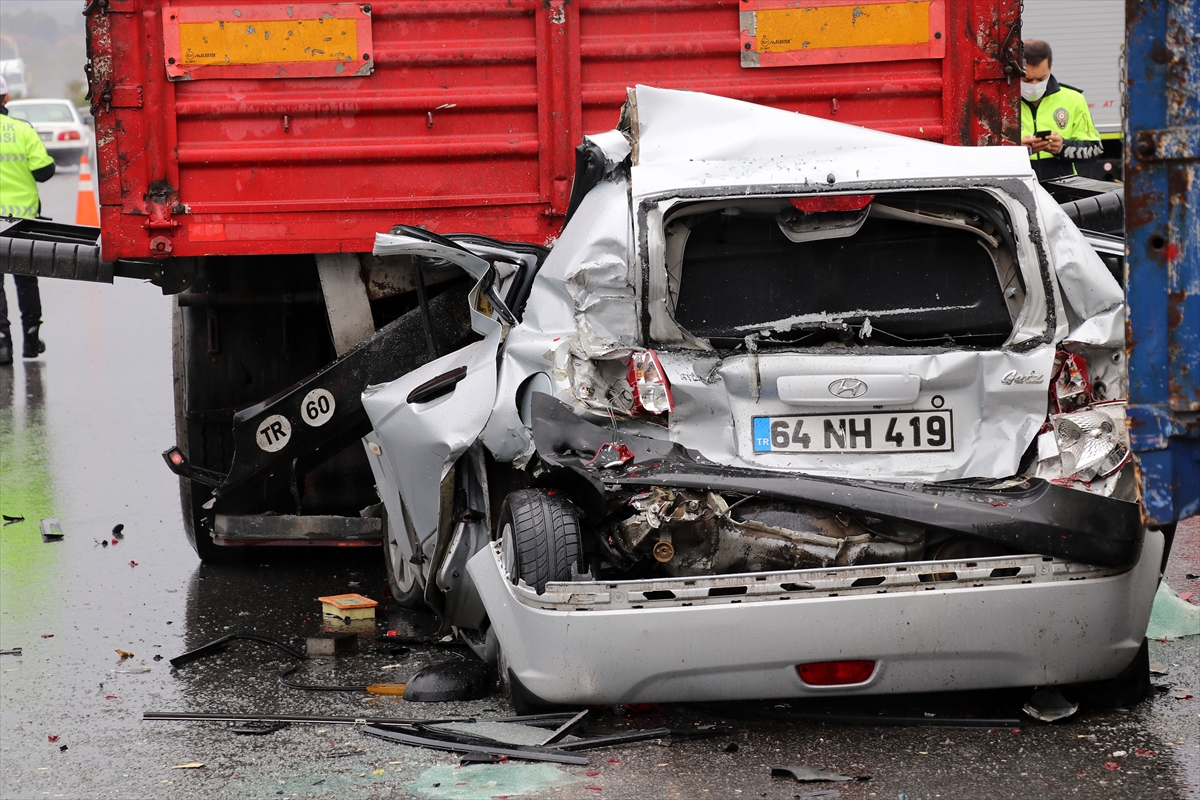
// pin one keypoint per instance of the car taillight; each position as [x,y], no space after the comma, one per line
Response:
[651,390]
[67,136]
[1094,443]
[835,673]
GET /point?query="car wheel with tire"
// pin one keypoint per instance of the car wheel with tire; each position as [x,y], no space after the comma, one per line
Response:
[401,575]
[539,536]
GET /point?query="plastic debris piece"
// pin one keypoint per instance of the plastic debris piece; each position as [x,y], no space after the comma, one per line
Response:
[610,455]
[1119,753]
[1183,696]
[1145,753]
[110,697]
[480,758]
[16,651]
[731,747]
[1071,388]
[1172,618]
[101,542]
[449,680]
[1158,668]
[158,657]
[217,645]
[117,531]
[820,793]
[257,728]
[51,532]
[12,520]
[1185,596]
[329,644]
[47,635]
[189,765]
[124,654]
[115,542]
[130,671]
[805,774]
[395,689]
[52,738]
[1111,766]
[62,748]
[132,564]
[1049,705]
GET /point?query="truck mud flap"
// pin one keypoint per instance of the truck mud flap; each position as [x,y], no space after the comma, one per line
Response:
[1026,515]
[313,420]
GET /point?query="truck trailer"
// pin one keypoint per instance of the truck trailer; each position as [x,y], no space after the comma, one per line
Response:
[249,152]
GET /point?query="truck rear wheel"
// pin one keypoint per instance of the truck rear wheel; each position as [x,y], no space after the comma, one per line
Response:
[192,496]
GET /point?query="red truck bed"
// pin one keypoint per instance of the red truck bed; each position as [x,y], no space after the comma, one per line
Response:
[228,129]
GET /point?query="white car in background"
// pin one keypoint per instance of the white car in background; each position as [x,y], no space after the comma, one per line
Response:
[58,124]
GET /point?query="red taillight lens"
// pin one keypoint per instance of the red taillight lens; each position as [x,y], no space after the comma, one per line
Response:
[835,673]
[651,390]
[68,136]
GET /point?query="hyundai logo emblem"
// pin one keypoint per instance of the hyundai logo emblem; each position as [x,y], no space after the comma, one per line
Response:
[847,388]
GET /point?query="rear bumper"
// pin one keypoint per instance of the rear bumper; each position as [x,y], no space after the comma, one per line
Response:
[1054,622]
[1024,515]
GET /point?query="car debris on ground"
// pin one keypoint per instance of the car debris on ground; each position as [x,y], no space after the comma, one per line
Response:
[51,530]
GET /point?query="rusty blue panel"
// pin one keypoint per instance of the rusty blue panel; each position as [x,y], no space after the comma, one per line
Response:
[1162,228]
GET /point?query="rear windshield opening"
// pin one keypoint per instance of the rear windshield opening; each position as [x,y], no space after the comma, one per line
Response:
[906,270]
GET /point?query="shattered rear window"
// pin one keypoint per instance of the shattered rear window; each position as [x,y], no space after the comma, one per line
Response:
[906,270]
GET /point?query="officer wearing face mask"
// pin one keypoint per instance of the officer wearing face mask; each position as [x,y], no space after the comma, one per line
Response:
[1056,126]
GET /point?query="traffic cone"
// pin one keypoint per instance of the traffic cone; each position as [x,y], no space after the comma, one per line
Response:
[85,207]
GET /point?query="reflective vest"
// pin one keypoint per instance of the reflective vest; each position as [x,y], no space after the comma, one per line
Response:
[1064,111]
[21,152]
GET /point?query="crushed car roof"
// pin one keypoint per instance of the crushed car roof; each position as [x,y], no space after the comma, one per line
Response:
[686,139]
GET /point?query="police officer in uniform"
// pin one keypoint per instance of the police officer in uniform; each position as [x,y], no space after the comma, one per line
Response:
[1056,125]
[24,163]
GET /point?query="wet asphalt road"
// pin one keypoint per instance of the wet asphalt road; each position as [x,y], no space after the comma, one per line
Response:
[81,430]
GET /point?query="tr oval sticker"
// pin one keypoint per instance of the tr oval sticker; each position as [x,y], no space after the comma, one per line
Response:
[273,433]
[318,407]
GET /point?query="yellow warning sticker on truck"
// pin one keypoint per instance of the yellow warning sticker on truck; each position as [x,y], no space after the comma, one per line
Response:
[268,41]
[781,33]
[292,40]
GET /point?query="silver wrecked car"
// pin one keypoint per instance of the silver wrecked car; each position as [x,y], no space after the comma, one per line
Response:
[791,408]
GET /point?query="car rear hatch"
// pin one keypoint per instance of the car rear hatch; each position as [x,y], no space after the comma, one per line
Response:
[895,335]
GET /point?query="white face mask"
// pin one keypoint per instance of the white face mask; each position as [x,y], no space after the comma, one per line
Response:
[1033,91]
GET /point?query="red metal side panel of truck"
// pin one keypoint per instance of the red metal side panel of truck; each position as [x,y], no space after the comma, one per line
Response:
[464,114]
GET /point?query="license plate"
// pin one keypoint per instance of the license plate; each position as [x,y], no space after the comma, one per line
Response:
[905,432]
[45,137]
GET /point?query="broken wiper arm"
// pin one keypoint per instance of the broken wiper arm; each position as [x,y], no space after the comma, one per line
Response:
[553,755]
[185,716]
[612,738]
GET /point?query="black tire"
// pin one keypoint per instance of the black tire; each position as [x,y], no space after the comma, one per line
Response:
[540,537]
[192,496]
